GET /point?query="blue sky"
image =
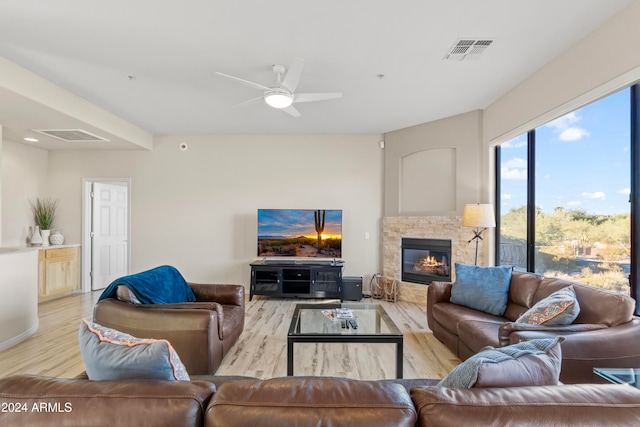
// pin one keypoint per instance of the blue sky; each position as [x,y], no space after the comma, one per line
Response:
[583,160]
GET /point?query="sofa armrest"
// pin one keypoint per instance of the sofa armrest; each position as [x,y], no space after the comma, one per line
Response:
[437,292]
[440,291]
[198,305]
[201,305]
[506,329]
[223,294]
[154,316]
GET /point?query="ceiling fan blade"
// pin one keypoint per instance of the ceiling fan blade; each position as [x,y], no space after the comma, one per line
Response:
[249,102]
[311,97]
[292,78]
[291,110]
[243,81]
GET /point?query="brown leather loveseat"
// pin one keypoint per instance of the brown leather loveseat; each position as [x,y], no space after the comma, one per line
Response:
[307,401]
[605,334]
[201,332]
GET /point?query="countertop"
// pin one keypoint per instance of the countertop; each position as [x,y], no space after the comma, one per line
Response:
[64,245]
[16,249]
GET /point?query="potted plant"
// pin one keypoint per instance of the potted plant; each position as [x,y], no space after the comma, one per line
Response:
[44,214]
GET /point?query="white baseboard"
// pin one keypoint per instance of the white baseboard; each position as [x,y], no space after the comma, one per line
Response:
[19,338]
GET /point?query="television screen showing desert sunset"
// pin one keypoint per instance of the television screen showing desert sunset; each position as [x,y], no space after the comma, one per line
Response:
[300,233]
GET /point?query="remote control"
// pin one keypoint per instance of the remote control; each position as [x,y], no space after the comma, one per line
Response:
[353,324]
[343,324]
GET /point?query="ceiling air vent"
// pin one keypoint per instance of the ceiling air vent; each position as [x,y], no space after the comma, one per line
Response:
[467,49]
[71,135]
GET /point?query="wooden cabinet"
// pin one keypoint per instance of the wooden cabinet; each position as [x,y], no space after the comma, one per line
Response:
[296,279]
[58,272]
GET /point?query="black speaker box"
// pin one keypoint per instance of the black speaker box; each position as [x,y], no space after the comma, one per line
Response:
[352,288]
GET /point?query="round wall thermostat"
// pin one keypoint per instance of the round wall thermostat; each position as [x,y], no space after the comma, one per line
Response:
[183,146]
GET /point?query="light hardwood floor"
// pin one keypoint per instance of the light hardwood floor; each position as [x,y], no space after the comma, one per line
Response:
[260,352]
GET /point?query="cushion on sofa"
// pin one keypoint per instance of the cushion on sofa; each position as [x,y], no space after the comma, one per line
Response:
[477,334]
[563,405]
[110,355]
[529,363]
[125,294]
[559,308]
[311,401]
[482,288]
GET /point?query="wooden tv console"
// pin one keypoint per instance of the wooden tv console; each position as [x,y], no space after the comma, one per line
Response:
[296,279]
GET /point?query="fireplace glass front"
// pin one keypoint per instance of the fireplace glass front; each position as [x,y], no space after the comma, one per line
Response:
[426,260]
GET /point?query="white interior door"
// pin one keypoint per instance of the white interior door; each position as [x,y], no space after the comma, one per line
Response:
[109,233]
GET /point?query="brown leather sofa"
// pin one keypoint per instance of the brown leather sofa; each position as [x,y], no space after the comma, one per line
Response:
[605,334]
[202,332]
[307,401]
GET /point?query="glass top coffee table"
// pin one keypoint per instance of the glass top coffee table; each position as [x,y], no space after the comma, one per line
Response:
[629,376]
[324,323]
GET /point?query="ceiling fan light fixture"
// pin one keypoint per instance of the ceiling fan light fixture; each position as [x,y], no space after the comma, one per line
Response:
[278,99]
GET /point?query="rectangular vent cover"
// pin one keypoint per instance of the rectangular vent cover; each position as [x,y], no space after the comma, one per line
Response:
[71,135]
[467,49]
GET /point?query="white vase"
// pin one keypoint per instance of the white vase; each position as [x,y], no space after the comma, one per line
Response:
[56,238]
[36,239]
[45,237]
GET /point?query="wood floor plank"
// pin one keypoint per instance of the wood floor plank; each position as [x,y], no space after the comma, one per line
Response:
[261,350]
[53,350]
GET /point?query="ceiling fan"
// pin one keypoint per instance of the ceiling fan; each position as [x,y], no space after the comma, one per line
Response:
[283,95]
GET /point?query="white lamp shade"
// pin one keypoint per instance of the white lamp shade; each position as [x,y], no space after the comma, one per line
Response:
[478,215]
[278,99]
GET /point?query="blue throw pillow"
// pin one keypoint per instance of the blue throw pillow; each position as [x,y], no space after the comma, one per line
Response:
[112,355]
[482,288]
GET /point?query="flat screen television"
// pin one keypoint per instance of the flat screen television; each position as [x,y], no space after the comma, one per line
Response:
[300,233]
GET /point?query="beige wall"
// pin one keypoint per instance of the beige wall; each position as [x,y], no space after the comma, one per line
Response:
[1,145]
[24,177]
[460,135]
[196,209]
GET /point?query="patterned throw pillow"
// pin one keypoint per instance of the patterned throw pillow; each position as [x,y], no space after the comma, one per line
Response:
[559,308]
[110,355]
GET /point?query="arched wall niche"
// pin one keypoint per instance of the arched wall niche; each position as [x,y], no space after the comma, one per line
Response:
[428,181]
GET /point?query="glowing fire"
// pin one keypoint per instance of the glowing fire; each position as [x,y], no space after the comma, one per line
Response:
[430,264]
[429,261]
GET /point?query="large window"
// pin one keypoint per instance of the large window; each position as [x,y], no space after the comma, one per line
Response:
[513,203]
[564,196]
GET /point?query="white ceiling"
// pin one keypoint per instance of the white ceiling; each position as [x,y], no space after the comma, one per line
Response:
[173,48]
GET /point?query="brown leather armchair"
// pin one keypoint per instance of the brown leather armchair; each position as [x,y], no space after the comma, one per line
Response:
[201,332]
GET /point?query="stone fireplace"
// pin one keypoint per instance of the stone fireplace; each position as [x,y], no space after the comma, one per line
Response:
[448,228]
